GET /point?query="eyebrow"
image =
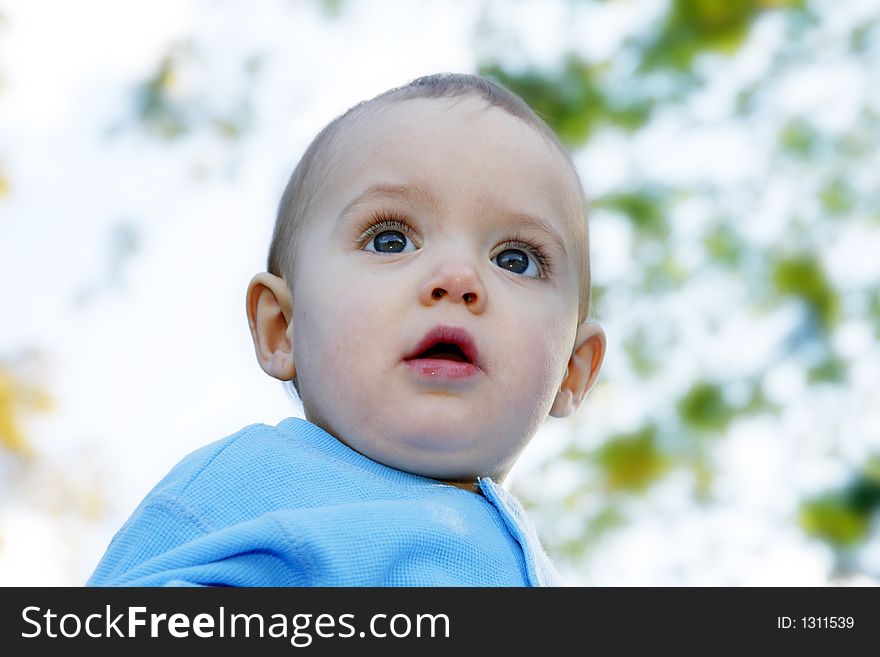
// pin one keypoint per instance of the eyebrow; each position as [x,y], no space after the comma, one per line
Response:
[417,194]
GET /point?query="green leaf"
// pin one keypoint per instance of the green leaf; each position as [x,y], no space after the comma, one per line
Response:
[830,519]
[843,517]
[632,461]
[574,101]
[155,108]
[694,27]
[801,276]
[724,245]
[832,369]
[799,139]
[646,210]
[571,102]
[704,408]
[629,114]
[837,197]
[864,495]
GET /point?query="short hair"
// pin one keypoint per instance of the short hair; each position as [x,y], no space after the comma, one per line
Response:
[299,197]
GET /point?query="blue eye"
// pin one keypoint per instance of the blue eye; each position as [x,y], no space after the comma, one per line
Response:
[390,241]
[517,262]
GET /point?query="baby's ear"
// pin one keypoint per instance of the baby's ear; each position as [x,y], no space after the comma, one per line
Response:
[583,368]
[269,304]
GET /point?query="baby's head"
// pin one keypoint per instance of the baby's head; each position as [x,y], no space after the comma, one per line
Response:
[428,284]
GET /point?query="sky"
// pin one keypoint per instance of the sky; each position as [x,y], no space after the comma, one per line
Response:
[149,357]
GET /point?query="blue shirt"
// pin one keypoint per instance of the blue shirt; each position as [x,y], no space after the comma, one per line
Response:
[291,505]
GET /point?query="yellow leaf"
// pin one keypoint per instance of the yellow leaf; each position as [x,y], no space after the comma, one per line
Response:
[17,395]
[10,435]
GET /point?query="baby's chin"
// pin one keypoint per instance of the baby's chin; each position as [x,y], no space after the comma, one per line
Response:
[437,455]
[447,445]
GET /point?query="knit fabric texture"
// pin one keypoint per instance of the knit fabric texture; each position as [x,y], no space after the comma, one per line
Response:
[291,505]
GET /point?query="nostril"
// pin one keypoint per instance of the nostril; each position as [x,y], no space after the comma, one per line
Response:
[437,293]
[469,296]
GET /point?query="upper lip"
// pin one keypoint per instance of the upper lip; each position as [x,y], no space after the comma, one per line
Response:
[452,335]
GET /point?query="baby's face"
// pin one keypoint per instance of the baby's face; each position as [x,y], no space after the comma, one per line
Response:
[376,276]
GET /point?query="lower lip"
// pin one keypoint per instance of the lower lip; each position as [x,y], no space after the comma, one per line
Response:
[439,368]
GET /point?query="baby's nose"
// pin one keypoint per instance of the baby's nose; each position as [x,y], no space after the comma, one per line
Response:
[468,297]
[455,283]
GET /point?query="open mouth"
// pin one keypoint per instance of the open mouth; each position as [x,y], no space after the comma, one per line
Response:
[447,347]
[445,351]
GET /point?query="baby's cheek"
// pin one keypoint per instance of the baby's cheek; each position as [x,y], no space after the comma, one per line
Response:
[320,325]
[548,353]
[350,336]
[330,348]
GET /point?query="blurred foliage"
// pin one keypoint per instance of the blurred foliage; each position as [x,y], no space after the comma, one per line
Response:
[723,245]
[157,108]
[692,28]
[21,393]
[837,197]
[170,104]
[68,490]
[333,8]
[874,311]
[704,408]
[662,68]
[801,276]
[646,209]
[632,461]
[575,102]
[843,517]
[124,241]
[644,356]
[831,369]
[798,138]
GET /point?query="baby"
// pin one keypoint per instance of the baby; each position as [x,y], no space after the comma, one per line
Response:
[427,295]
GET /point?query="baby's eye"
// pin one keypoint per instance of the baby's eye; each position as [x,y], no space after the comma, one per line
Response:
[390,241]
[518,262]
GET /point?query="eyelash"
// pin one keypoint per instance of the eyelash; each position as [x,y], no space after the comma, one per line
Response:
[380,221]
[535,248]
[383,220]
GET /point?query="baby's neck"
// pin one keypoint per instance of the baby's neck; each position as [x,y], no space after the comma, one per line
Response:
[466,484]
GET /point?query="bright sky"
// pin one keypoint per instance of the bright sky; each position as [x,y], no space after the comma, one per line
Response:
[158,360]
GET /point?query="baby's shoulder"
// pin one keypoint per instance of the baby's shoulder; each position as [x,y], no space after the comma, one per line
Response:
[253,452]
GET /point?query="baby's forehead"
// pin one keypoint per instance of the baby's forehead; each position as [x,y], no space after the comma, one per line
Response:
[438,120]
[448,144]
